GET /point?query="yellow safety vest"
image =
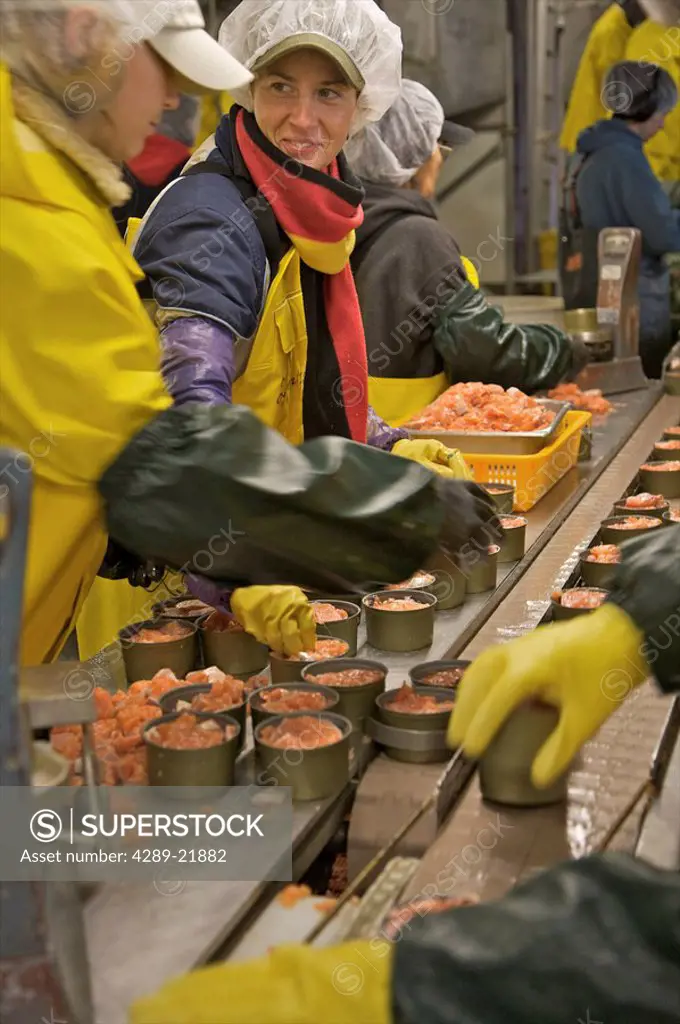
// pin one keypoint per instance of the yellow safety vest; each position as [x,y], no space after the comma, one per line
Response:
[398,399]
[273,380]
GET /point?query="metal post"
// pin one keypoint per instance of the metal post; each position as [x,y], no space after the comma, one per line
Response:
[520,14]
[30,989]
[508,141]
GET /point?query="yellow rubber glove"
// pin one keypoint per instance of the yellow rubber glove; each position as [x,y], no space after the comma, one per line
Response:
[348,984]
[585,667]
[278,616]
[434,455]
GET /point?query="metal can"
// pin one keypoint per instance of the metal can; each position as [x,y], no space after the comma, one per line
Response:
[400,631]
[666,482]
[412,737]
[342,629]
[234,651]
[171,698]
[482,571]
[259,710]
[143,661]
[209,766]
[505,769]
[612,534]
[313,774]
[513,544]
[354,702]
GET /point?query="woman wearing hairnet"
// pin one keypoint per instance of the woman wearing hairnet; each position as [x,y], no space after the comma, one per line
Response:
[427,325]
[612,185]
[269,317]
[83,83]
[246,256]
[594,940]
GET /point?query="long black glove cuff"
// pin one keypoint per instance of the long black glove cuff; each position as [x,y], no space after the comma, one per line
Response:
[212,491]
[470,521]
[476,343]
[646,585]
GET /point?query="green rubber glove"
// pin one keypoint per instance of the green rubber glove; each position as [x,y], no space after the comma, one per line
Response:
[348,984]
[278,616]
[585,667]
[435,456]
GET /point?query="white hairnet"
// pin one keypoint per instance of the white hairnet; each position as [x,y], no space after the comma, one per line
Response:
[358,27]
[393,150]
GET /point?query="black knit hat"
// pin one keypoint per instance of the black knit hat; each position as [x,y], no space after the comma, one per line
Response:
[636,90]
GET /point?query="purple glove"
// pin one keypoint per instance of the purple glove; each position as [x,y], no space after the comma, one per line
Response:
[198,361]
[380,434]
[209,592]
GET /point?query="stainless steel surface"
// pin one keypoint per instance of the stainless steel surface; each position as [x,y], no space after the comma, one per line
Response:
[454,629]
[414,740]
[279,924]
[381,897]
[206,919]
[389,794]
[57,694]
[614,377]
[379,860]
[659,840]
[141,935]
[497,442]
[618,302]
[613,765]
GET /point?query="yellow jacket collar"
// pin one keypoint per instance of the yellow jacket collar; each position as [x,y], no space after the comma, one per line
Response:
[31,130]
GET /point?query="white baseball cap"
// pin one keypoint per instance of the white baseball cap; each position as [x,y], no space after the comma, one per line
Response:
[175,29]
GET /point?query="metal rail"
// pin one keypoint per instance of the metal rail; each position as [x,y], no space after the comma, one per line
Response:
[30,987]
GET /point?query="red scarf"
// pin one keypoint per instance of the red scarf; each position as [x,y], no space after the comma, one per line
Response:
[320,214]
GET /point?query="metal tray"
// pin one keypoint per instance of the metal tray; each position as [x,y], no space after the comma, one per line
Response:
[500,442]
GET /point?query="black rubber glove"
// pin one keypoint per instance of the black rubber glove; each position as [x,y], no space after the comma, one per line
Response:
[580,357]
[209,490]
[476,343]
[592,940]
[120,564]
[470,520]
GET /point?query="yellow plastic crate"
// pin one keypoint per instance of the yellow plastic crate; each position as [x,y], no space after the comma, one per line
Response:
[533,476]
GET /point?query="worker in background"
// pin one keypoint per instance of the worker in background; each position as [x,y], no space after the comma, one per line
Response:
[427,324]
[658,42]
[610,184]
[81,390]
[594,939]
[161,161]
[268,316]
[606,45]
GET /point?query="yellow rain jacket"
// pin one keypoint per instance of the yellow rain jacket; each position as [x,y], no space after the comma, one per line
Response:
[113,604]
[79,360]
[660,44]
[213,108]
[606,45]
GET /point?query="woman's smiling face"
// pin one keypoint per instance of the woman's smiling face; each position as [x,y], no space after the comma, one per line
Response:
[304,105]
